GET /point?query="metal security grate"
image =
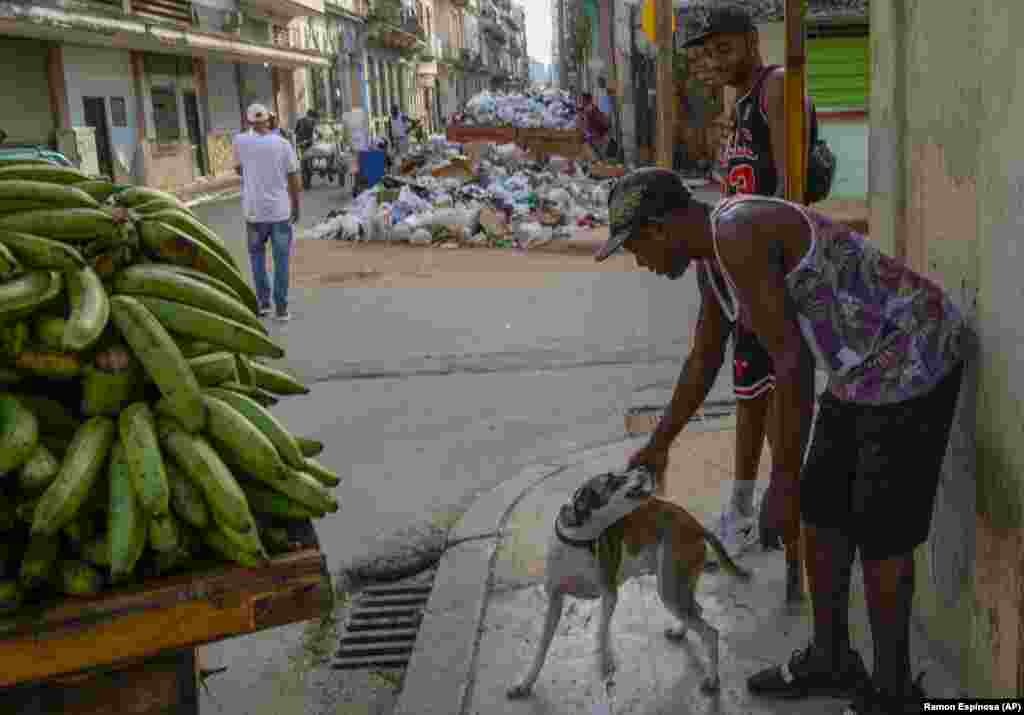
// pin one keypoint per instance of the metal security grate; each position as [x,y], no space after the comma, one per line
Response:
[382,627]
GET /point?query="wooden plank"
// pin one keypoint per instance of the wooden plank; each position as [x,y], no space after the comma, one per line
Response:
[165,614]
[216,583]
[166,684]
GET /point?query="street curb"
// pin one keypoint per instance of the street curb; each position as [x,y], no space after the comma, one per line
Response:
[457,604]
[446,646]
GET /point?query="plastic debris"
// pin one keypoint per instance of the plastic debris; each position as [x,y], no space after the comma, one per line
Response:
[552,109]
[479,194]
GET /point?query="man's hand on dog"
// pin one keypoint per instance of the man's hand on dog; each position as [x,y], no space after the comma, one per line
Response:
[654,458]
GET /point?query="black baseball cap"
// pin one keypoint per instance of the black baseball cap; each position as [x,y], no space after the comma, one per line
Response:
[643,196]
[722,20]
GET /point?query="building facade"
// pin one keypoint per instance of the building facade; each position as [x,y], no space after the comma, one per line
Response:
[149,91]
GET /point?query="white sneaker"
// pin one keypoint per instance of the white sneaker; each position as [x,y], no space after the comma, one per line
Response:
[737,532]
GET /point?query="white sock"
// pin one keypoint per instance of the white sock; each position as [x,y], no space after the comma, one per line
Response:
[743,496]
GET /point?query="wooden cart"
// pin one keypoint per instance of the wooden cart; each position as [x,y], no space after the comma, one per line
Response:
[132,651]
[458,134]
[567,143]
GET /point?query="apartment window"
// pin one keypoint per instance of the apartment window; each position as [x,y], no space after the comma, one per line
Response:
[165,114]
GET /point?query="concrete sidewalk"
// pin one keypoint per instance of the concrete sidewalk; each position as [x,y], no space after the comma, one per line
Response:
[484,616]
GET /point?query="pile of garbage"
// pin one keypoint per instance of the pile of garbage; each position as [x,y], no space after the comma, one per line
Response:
[551,109]
[498,197]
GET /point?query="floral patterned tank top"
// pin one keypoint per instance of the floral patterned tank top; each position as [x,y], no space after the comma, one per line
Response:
[882,332]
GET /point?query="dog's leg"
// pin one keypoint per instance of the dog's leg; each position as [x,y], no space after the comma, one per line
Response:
[556,599]
[676,589]
[605,657]
[708,634]
[673,590]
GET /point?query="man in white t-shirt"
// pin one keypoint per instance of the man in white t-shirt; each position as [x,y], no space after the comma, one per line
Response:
[270,204]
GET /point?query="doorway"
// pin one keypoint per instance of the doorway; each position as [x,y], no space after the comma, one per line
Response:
[96,117]
[195,133]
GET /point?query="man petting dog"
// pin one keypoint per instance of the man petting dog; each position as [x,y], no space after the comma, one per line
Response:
[893,345]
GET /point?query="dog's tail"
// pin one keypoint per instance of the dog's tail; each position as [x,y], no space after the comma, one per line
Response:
[731,566]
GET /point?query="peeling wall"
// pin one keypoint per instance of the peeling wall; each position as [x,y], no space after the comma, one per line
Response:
[946,183]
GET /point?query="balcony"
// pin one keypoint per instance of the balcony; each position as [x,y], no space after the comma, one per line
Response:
[394,24]
[281,8]
[360,8]
[431,51]
[450,55]
[287,37]
[489,26]
[177,11]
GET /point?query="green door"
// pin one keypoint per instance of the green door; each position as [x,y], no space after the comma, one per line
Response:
[839,72]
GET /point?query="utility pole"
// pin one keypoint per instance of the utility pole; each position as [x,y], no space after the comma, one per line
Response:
[665,84]
[796,180]
[796,123]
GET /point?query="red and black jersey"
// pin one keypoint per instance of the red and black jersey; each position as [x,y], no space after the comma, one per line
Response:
[748,163]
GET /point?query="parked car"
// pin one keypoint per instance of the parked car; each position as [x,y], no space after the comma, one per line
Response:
[23,152]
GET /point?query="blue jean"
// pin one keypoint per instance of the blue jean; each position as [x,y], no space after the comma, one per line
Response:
[280,235]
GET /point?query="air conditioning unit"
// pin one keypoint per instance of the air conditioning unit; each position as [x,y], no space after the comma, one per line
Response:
[233,20]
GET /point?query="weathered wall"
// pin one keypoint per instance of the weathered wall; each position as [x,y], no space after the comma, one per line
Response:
[107,73]
[947,193]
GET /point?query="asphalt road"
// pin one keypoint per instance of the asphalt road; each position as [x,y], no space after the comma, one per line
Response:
[427,398]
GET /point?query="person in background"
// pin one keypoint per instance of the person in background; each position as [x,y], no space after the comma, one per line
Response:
[399,131]
[604,100]
[755,162]
[270,204]
[604,104]
[305,130]
[593,123]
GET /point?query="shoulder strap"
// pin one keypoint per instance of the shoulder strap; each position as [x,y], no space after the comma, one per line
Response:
[755,91]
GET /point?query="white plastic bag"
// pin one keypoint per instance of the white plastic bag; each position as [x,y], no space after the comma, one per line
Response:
[420,237]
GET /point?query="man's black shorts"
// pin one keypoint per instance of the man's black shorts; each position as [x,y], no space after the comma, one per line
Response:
[753,372]
[874,470]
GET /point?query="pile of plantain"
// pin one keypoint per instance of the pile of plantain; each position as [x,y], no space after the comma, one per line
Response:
[135,436]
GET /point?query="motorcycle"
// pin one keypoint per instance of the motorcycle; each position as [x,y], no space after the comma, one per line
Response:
[321,158]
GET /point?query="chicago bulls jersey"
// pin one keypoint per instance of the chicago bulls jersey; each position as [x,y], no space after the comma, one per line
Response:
[747,157]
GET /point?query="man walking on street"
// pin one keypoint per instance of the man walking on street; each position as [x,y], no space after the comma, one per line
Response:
[755,163]
[270,205]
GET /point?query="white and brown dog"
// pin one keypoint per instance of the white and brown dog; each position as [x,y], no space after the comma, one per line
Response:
[616,528]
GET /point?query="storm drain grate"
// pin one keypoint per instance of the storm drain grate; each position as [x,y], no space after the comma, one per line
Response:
[383,625]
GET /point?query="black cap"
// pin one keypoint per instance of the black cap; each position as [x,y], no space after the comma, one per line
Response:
[639,197]
[721,20]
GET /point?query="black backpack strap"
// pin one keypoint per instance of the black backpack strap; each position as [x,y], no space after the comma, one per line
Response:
[756,92]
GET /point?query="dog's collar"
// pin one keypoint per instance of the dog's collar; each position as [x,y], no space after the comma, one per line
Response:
[603,500]
[579,543]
